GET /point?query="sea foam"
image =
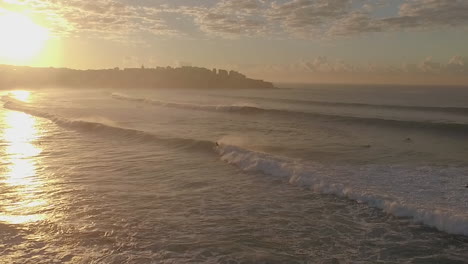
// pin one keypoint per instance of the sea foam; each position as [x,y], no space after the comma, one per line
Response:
[310,175]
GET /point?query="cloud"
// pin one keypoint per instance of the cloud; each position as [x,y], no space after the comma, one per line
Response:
[354,24]
[429,66]
[244,6]
[228,26]
[453,71]
[323,64]
[312,19]
[430,13]
[457,65]
[335,18]
[106,18]
[231,18]
[412,15]
[303,17]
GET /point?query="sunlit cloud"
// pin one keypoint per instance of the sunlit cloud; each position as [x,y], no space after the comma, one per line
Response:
[160,28]
[289,18]
[104,18]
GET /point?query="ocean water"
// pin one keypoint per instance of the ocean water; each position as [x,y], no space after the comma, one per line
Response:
[327,174]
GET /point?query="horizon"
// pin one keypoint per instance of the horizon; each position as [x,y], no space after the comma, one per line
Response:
[413,42]
[278,84]
[233,131]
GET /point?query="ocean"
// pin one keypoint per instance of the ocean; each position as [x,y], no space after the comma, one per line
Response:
[317,174]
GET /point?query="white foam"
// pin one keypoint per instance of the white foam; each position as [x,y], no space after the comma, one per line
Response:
[318,178]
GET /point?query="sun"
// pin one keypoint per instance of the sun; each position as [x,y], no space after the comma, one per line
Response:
[20,37]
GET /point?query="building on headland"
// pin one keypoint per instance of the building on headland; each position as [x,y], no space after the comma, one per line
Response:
[161,77]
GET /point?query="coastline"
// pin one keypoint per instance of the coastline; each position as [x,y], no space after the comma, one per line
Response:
[150,78]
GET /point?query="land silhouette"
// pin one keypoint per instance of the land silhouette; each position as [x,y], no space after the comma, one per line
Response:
[134,78]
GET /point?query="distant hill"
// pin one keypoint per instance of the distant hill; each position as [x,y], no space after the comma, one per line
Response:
[134,78]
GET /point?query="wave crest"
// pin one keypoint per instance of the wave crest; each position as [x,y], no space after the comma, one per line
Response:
[297,173]
[224,108]
[439,109]
[373,121]
[110,130]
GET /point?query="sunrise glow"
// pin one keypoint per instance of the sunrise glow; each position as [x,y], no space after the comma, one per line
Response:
[21,38]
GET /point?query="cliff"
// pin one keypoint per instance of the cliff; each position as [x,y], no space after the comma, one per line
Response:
[134,78]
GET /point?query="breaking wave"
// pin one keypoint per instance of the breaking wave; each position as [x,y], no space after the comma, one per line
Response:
[453,127]
[292,170]
[309,176]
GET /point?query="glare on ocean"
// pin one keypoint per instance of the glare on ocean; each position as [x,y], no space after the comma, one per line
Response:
[21,95]
[20,158]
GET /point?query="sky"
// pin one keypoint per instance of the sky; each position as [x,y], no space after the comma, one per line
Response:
[316,41]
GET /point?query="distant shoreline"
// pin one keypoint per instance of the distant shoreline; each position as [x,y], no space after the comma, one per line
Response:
[133,78]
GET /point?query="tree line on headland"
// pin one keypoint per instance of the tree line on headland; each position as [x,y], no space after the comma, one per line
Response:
[160,77]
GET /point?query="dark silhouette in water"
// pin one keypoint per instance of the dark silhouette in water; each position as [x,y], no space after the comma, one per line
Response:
[167,77]
[408,140]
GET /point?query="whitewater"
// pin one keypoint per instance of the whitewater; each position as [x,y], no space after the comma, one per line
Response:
[330,174]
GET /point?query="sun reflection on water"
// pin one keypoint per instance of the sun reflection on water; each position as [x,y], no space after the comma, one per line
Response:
[20,186]
[21,95]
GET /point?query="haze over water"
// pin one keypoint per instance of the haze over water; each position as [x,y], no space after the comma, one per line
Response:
[233,131]
[328,174]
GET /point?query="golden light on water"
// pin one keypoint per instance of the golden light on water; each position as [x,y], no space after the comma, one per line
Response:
[21,95]
[21,38]
[22,187]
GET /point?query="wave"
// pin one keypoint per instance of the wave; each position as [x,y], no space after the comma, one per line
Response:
[224,108]
[253,161]
[454,127]
[10,98]
[440,109]
[296,173]
[110,130]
